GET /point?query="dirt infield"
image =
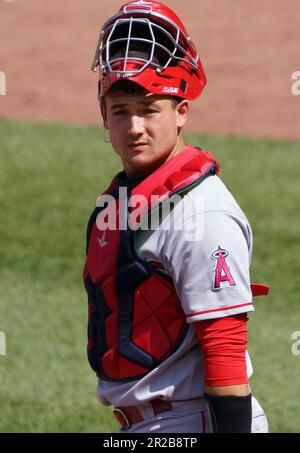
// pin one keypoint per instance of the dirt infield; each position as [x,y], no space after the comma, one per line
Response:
[249,51]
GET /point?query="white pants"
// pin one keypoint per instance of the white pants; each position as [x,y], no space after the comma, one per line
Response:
[187,417]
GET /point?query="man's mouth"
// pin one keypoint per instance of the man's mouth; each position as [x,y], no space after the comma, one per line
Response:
[137,145]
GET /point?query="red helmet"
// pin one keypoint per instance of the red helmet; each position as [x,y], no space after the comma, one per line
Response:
[146,43]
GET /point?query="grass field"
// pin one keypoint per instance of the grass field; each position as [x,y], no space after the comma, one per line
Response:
[50,177]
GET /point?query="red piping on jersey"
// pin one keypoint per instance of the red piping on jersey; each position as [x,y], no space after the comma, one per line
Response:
[257,289]
[218,309]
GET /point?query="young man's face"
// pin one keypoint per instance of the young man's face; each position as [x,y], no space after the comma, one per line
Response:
[144,129]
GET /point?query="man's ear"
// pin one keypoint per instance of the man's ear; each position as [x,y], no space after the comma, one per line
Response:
[104,114]
[182,110]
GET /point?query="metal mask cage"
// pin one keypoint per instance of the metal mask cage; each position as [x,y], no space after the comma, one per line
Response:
[144,43]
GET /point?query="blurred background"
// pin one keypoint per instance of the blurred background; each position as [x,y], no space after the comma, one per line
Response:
[54,163]
[249,52]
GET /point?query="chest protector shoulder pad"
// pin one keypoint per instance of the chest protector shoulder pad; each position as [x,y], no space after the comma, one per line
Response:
[135,317]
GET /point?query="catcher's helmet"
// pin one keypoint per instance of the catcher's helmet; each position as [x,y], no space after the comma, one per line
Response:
[146,43]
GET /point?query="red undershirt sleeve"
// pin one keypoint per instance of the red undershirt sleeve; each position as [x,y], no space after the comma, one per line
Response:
[224,343]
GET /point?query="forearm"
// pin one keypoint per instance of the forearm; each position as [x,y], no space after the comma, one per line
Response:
[233,390]
[223,342]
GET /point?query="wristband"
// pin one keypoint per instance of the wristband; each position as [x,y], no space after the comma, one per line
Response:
[230,414]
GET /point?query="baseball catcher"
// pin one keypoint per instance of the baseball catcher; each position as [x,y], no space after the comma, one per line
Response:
[168,248]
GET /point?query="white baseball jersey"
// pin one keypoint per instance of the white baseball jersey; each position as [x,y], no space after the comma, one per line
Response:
[205,245]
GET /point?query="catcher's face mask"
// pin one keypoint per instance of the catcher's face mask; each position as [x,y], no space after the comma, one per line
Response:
[146,43]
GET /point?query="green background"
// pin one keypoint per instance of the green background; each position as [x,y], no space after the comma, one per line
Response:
[50,177]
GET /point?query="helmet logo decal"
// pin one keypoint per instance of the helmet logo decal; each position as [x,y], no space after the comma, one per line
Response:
[123,75]
[170,90]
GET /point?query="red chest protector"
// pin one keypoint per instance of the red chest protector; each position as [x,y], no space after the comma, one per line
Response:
[135,317]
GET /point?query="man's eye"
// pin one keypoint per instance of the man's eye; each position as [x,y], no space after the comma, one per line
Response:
[119,112]
[149,111]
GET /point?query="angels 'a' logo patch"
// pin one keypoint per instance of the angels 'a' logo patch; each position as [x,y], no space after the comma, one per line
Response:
[222,273]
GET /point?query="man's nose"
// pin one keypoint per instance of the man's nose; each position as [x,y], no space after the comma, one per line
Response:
[136,127]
